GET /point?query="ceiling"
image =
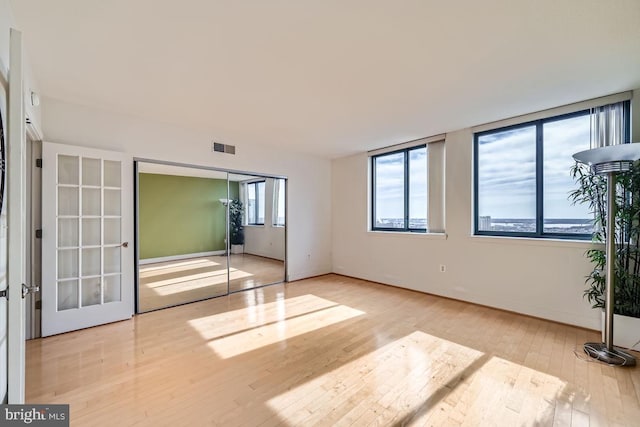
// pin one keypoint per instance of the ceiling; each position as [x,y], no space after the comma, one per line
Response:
[330,77]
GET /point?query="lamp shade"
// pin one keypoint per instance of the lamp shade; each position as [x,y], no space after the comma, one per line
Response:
[612,158]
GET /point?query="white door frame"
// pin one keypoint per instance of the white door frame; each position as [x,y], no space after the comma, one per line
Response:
[34,222]
[16,222]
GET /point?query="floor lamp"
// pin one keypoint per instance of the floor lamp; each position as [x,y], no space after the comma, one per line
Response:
[609,161]
[225,203]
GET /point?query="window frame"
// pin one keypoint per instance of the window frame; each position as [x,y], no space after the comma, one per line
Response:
[256,207]
[406,185]
[539,176]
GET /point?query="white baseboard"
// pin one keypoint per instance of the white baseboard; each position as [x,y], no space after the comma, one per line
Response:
[179,257]
[300,275]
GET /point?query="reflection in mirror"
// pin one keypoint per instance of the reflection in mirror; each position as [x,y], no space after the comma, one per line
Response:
[257,251]
[185,251]
[181,234]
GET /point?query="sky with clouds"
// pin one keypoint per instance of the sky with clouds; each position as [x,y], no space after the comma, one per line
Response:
[390,185]
[506,170]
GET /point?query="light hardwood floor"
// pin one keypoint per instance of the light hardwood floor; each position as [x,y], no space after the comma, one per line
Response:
[331,351]
[170,283]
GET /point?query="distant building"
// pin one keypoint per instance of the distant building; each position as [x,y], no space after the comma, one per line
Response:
[484,223]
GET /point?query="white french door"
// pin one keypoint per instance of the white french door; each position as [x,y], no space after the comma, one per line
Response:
[87,229]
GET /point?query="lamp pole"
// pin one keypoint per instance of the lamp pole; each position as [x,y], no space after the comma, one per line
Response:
[608,161]
[610,260]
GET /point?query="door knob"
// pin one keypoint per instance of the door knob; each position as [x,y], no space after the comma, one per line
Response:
[125,245]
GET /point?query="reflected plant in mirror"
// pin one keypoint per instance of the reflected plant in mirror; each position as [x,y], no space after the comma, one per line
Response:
[236,228]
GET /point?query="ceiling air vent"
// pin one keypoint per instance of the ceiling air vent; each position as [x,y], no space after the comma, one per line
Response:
[224,148]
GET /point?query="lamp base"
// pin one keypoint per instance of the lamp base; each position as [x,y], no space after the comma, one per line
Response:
[615,356]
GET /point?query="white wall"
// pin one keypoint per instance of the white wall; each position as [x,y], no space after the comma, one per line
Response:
[541,278]
[309,231]
[265,240]
[6,22]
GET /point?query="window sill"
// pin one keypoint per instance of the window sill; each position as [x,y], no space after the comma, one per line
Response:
[534,241]
[255,225]
[408,234]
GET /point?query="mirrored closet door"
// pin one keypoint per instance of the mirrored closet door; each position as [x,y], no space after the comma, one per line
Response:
[256,253]
[204,233]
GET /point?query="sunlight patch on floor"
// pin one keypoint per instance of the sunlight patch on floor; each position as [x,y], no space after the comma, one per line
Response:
[257,313]
[279,332]
[240,331]
[194,281]
[157,269]
[422,379]
[501,392]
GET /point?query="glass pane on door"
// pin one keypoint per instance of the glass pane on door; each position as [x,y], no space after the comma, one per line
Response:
[112,260]
[91,203]
[91,262]
[112,231]
[67,294]
[67,263]
[91,231]
[91,172]
[68,232]
[112,174]
[68,170]
[112,202]
[91,291]
[89,259]
[68,201]
[112,289]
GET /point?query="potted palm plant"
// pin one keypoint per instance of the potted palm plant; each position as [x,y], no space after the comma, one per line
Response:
[236,227]
[592,191]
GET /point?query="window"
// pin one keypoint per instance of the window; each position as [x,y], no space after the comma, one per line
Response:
[522,179]
[278,202]
[399,187]
[255,203]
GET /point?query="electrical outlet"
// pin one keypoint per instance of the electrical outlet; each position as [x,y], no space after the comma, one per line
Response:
[443,268]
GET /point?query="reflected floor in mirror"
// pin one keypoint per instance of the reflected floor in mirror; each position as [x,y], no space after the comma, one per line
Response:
[170,283]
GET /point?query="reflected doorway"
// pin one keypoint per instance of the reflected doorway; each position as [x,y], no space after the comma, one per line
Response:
[203,233]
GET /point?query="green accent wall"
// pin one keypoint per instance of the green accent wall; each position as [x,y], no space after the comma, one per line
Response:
[181,214]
